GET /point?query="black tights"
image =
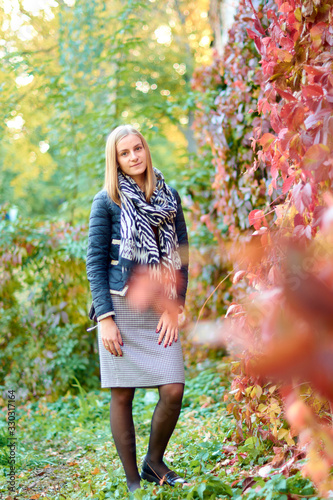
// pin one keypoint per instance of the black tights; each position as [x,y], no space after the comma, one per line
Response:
[162,425]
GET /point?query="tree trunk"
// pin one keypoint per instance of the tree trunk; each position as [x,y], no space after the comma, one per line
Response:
[221,16]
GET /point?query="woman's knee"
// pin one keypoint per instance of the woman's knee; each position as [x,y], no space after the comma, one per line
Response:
[172,393]
[122,395]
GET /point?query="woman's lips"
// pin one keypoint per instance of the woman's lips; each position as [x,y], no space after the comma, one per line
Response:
[136,165]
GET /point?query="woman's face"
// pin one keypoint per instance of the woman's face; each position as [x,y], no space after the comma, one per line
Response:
[131,158]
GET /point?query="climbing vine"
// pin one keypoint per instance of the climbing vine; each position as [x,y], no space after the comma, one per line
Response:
[270,129]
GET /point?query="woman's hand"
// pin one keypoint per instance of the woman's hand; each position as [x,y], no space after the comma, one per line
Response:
[111,337]
[168,324]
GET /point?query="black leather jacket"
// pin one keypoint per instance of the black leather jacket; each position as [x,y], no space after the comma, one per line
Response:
[104,272]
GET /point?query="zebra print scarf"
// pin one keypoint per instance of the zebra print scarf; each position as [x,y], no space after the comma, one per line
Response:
[138,243]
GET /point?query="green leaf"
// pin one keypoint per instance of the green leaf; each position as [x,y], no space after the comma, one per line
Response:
[200,490]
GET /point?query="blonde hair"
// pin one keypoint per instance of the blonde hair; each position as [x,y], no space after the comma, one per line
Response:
[111,165]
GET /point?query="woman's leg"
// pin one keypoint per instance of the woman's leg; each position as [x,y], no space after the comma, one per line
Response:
[123,432]
[164,421]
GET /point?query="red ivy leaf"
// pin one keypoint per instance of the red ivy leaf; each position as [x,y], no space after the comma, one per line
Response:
[317,215]
[252,34]
[287,184]
[286,95]
[316,33]
[307,194]
[266,140]
[315,156]
[256,39]
[297,196]
[297,117]
[312,91]
[257,218]
[302,195]
[308,232]
[314,70]
[257,23]
[298,220]
[285,7]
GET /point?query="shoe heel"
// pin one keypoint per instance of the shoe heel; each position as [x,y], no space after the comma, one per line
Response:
[148,477]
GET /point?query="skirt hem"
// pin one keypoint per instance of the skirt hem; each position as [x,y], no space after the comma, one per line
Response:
[142,386]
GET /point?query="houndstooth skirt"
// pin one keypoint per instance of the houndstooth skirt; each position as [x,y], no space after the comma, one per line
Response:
[144,363]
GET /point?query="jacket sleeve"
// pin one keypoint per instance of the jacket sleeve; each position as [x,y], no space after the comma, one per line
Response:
[181,231]
[98,255]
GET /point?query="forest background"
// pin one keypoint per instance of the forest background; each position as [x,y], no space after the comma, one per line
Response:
[241,123]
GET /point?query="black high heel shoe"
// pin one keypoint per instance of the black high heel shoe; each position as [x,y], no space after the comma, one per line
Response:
[170,478]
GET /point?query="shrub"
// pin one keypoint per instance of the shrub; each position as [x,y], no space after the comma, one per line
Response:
[43,308]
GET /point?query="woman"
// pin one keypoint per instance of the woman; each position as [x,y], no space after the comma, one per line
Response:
[137,219]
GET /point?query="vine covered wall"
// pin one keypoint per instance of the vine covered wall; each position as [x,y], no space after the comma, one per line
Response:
[270,130]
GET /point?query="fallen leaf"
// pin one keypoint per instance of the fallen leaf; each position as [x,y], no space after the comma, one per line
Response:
[264,471]
[247,483]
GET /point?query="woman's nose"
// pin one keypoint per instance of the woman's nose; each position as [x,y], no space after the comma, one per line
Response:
[133,155]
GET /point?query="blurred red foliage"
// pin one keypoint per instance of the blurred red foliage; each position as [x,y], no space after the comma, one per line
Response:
[146,291]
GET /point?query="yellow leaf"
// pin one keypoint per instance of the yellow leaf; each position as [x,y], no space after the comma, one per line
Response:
[282,433]
[248,390]
[95,471]
[272,416]
[284,55]
[275,407]
[258,391]
[262,407]
[289,441]
[230,407]
[253,393]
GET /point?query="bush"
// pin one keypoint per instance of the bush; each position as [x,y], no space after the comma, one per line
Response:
[43,308]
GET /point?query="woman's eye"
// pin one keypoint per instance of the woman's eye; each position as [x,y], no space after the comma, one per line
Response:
[139,147]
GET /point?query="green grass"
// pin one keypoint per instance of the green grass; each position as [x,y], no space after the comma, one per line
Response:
[65,449]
